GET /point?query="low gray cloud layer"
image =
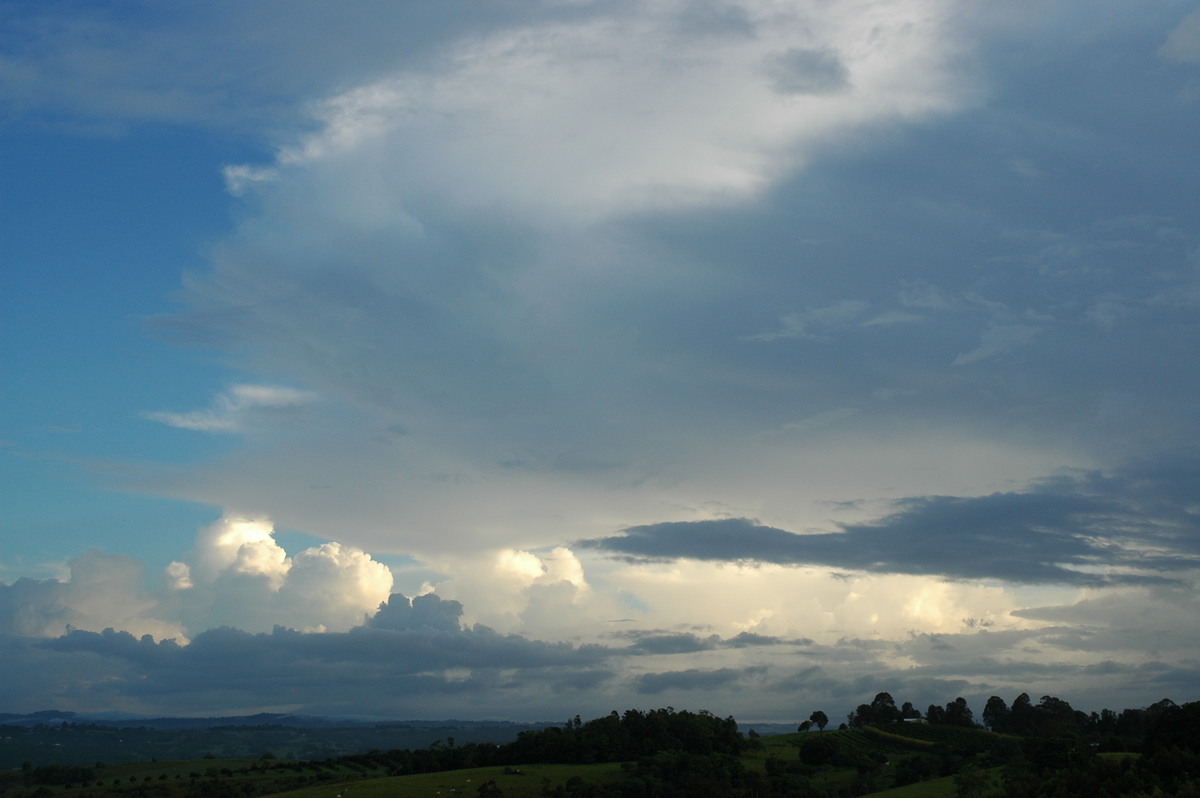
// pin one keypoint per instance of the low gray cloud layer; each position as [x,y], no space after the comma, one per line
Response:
[227,667]
[423,669]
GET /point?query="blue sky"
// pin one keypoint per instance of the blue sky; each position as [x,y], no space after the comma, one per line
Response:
[681,352]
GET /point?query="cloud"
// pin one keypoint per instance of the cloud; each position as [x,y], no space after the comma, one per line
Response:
[237,575]
[800,71]
[690,679]
[1183,44]
[806,298]
[240,178]
[434,666]
[423,612]
[673,643]
[657,643]
[817,323]
[241,545]
[1089,529]
[244,408]
[240,576]
[101,590]
[227,667]
[615,101]
[538,284]
[999,340]
[1157,621]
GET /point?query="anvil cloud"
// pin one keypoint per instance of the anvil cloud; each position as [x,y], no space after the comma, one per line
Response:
[684,351]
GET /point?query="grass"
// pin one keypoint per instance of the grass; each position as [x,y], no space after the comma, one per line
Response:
[523,782]
[899,739]
[935,788]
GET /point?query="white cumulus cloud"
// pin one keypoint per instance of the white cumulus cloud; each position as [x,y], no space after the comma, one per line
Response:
[240,576]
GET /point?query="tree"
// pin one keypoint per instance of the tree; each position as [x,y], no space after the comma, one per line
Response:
[820,719]
[995,714]
[884,708]
[805,726]
[958,713]
[1055,718]
[1022,717]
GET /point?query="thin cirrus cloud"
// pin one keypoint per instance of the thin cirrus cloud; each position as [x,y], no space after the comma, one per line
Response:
[241,409]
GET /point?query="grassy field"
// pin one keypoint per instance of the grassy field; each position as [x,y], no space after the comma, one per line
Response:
[524,782]
[936,788]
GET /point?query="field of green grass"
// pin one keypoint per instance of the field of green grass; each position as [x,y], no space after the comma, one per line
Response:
[936,788]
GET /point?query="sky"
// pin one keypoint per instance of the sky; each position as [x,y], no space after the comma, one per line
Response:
[531,358]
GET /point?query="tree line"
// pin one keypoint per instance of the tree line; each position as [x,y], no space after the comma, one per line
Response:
[1159,725]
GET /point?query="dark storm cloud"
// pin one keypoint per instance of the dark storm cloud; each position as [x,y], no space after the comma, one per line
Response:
[1074,529]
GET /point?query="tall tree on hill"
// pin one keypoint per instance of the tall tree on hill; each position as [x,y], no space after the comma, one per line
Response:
[1022,717]
[820,719]
[958,713]
[882,709]
[1056,718]
[995,714]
